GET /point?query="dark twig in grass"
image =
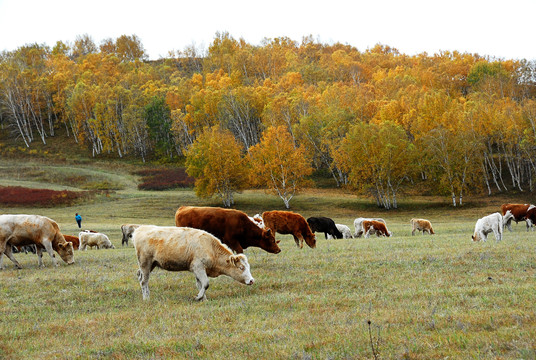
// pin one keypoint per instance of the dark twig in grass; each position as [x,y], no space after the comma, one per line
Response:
[375,349]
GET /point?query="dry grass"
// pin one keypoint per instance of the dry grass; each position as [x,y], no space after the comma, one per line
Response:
[426,297]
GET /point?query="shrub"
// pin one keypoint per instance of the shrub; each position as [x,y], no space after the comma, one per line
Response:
[163,179]
[21,196]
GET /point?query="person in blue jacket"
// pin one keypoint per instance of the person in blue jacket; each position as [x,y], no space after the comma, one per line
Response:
[78,220]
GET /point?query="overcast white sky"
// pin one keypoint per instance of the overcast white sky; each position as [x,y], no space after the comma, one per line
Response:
[502,29]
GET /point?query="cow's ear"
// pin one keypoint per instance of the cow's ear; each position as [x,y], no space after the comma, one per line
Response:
[233,259]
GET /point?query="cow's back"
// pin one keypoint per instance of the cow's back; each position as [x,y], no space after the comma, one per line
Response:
[285,222]
[217,221]
[174,248]
[232,227]
[25,230]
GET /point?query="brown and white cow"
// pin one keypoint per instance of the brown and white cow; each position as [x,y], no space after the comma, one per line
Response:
[520,212]
[186,249]
[73,240]
[232,227]
[421,225]
[288,222]
[22,230]
[358,225]
[371,227]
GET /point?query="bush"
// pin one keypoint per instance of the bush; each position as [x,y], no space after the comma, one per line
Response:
[21,196]
[163,179]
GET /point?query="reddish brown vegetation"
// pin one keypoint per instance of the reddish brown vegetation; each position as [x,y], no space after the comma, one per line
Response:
[162,179]
[21,196]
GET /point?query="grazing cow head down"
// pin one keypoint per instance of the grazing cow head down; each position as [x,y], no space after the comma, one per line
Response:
[66,252]
[239,269]
[310,239]
[268,242]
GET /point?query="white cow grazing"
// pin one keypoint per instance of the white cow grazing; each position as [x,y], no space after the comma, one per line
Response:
[183,248]
[101,241]
[490,223]
[345,231]
[358,225]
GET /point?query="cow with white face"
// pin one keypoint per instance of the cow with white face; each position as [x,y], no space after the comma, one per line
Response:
[487,224]
[186,249]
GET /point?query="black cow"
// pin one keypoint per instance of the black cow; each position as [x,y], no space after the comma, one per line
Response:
[325,225]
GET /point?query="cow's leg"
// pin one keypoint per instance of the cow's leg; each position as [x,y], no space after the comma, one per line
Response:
[509,224]
[298,241]
[50,251]
[39,253]
[143,277]
[529,224]
[9,253]
[201,280]
[413,232]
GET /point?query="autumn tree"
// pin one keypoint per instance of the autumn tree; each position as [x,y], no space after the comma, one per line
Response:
[279,165]
[378,158]
[217,163]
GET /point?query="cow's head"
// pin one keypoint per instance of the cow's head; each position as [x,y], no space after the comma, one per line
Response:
[238,269]
[66,252]
[268,242]
[128,230]
[475,237]
[310,240]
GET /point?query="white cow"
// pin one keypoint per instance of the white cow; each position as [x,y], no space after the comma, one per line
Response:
[358,225]
[487,224]
[345,231]
[101,241]
[183,248]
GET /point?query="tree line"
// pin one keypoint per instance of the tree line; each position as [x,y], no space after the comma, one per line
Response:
[377,121]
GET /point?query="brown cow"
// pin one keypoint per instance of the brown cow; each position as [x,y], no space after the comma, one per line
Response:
[288,222]
[519,212]
[371,227]
[21,230]
[421,225]
[73,240]
[232,227]
[181,249]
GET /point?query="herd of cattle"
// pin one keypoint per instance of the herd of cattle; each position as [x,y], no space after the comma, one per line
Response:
[210,241]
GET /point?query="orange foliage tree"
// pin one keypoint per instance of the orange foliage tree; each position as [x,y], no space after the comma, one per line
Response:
[218,165]
[279,165]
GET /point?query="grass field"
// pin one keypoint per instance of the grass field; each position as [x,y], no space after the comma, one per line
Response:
[405,297]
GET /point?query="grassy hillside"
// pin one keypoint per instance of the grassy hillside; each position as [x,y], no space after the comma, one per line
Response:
[424,296]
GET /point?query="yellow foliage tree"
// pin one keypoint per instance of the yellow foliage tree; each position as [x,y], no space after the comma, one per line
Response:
[216,161]
[279,165]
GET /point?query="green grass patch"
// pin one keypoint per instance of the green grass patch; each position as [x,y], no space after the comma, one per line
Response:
[426,297]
